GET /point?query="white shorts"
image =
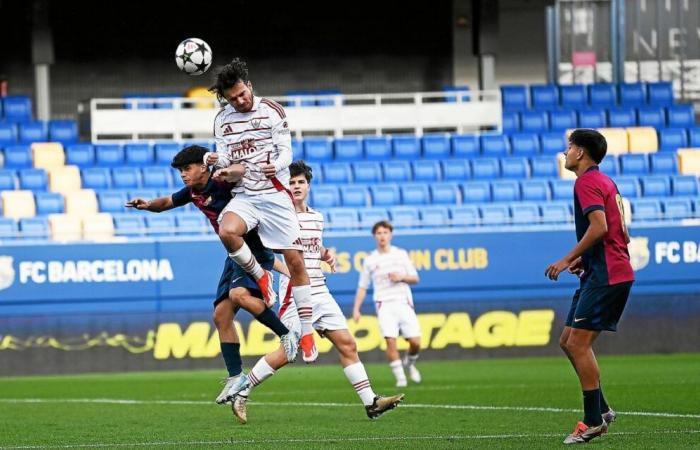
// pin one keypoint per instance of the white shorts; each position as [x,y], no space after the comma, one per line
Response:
[326,315]
[397,319]
[273,214]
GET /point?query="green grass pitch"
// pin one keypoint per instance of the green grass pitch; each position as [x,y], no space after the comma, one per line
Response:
[491,403]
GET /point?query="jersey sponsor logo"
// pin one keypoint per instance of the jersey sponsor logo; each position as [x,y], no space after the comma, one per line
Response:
[639,252]
[311,245]
[242,148]
[95,271]
[7,272]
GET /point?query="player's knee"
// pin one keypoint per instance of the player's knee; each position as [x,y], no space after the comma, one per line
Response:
[236,296]
[563,342]
[221,317]
[348,348]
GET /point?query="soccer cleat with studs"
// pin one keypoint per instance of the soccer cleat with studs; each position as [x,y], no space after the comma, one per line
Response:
[380,405]
[308,348]
[609,417]
[267,288]
[239,408]
[290,343]
[228,383]
[583,433]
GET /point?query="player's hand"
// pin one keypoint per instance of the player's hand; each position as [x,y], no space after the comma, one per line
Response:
[137,203]
[395,277]
[211,158]
[269,170]
[356,315]
[554,269]
[576,267]
[221,175]
[329,258]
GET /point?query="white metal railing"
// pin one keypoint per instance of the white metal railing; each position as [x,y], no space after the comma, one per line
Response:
[337,115]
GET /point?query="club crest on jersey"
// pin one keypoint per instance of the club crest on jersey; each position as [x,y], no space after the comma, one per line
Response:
[255,123]
[242,148]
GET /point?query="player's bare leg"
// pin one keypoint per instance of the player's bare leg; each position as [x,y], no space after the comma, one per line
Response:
[301,291]
[355,372]
[231,231]
[230,349]
[392,354]
[409,362]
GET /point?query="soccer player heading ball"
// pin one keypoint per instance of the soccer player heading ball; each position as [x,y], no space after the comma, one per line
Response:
[601,260]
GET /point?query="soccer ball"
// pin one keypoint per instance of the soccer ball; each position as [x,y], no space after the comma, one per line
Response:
[193,56]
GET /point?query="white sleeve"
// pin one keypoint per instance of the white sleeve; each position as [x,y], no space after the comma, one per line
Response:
[282,140]
[410,268]
[365,276]
[224,160]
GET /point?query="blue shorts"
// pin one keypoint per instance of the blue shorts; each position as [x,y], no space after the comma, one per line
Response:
[598,308]
[234,276]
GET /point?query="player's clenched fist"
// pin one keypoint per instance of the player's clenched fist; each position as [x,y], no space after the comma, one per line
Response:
[210,158]
[269,170]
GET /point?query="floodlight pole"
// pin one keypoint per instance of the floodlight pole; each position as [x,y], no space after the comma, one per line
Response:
[42,57]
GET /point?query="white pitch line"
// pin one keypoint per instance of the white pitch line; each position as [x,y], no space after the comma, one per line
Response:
[336,440]
[116,401]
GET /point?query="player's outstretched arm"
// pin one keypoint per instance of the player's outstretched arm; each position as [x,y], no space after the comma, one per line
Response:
[231,174]
[157,205]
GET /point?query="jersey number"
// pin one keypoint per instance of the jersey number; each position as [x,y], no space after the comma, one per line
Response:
[621,208]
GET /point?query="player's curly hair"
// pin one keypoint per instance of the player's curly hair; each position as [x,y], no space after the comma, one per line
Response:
[592,141]
[227,76]
[193,154]
[299,167]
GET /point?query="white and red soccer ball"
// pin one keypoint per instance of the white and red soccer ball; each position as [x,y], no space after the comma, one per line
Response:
[193,56]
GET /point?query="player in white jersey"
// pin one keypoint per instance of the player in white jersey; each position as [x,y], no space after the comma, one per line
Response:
[328,319]
[252,134]
[391,272]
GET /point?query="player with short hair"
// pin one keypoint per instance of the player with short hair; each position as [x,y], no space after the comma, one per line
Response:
[391,271]
[602,261]
[236,288]
[328,319]
[252,132]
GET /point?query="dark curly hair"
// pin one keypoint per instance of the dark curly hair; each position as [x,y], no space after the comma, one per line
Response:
[227,76]
[194,154]
[299,167]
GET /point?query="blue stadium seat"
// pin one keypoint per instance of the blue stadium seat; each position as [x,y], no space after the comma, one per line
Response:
[465,146]
[397,171]
[406,147]
[663,163]
[634,164]
[49,203]
[33,132]
[367,172]
[632,94]
[318,149]
[404,217]
[681,116]
[651,116]
[544,167]
[610,165]
[109,155]
[112,201]
[377,148]
[592,118]
[476,192]
[456,170]
[444,193]
[555,212]
[562,189]
[678,208]
[510,122]
[434,216]
[128,224]
[8,229]
[415,194]
[535,190]
[297,149]
[337,173]
[189,223]
[660,93]
[544,96]
[370,216]
[494,145]
[18,157]
[385,195]
[8,180]
[534,121]
[8,134]
[343,219]
[525,213]
[81,155]
[644,209]
[157,177]
[694,134]
[436,146]
[671,139]
[685,185]
[465,215]
[354,196]
[126,178]
[325,196]
[485,168]
[656,186]
[138,154]
[628,186]
[505,191]
[160,224]
[602,95]
[33,179]
[515,168]
[146,194]
[573,96]
[494,214]
[425,170]
[17,108]
[164,153]
[553,143]
[34,227]
[64,131]
[563,120]
[622,117]
[96,178]
[524,144]
[348,149]
[514,97]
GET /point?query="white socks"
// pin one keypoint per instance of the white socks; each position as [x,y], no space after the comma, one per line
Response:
[244,258]
[357,376]
[260,372]
[302,298]
[397,368]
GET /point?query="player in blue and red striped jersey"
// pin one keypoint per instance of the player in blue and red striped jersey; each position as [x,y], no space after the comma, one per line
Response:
[601,260]
[236,288]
